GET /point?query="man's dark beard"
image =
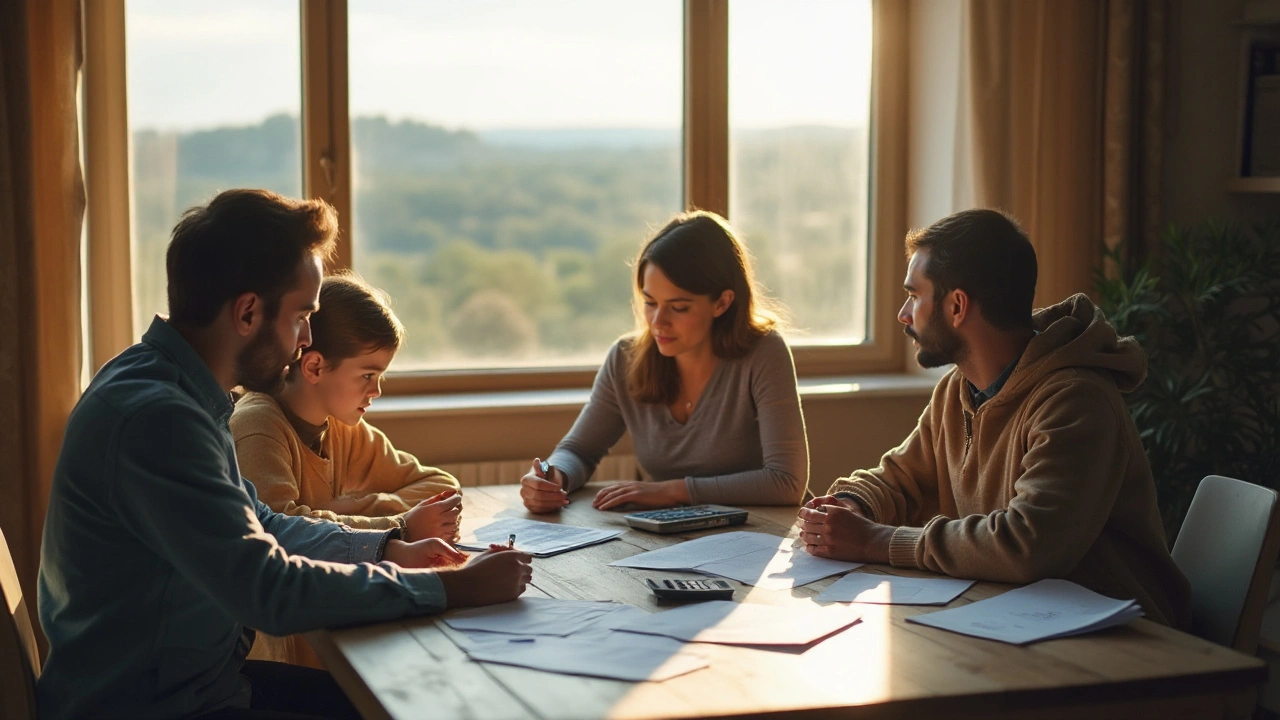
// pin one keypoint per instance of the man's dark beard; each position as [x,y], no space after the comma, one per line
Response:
[939,345]
[260,365]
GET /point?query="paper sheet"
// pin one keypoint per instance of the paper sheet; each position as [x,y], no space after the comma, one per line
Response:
[726,622]
[752,558]
[544,616]
[892,590]
[616,655]
[776,568]
[1040,611]
[537,538]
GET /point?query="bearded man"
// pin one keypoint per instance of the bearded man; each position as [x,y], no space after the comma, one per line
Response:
[1025,464]
[158,558]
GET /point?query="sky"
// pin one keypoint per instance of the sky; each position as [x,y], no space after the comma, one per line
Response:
[496,64]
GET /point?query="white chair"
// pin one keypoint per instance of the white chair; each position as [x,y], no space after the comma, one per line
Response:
[1227,548]
[19,657]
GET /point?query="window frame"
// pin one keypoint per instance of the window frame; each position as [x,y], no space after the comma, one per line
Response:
[326,173]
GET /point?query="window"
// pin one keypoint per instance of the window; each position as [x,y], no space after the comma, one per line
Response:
[496,163]
[799,156]
[508,157]
[214,93]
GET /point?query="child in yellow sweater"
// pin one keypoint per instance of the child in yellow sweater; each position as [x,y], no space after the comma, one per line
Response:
[308,450]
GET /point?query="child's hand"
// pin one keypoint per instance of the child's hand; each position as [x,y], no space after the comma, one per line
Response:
[436,517]
[429,553]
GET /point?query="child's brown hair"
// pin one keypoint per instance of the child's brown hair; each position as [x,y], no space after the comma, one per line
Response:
[354,318]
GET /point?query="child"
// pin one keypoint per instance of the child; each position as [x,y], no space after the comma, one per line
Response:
[306,446]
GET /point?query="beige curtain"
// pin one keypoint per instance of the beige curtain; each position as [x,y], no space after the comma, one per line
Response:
[1133,129]
[1063,108]
[41,207]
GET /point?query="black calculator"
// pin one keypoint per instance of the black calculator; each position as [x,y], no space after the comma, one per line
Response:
[690,589]
[693,517]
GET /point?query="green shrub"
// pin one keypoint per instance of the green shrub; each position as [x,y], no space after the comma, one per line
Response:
[1206,308]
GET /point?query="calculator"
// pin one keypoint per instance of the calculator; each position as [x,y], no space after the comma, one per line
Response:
[693,517]
[690,589]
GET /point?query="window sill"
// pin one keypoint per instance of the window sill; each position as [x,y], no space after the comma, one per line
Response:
[815,389]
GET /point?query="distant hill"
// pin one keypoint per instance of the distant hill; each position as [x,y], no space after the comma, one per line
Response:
[506,243]
[578,138]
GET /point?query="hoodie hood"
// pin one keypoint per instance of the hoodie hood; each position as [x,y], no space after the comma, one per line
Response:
[1075,334]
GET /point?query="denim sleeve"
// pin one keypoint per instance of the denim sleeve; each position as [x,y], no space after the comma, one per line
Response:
[319,539]
[173,481]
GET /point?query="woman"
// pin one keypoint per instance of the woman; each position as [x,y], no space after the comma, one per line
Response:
[705,385]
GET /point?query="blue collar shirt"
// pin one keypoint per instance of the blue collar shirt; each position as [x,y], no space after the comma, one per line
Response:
[157,554]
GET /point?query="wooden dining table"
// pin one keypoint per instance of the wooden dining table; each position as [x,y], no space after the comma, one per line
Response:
[881,667]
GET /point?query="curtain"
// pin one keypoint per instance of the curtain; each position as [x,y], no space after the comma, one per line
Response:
[1133,130]
[1063,108]
[41,209]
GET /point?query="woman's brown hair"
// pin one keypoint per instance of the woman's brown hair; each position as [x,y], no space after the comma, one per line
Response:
[700,254]
[354,318]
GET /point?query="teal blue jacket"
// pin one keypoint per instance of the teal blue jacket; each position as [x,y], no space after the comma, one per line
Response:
[157,554]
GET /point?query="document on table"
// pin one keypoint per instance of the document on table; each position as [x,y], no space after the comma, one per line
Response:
[544,616]
[539,539]
[759,559]
[725,622]
[1040,611]
[605,654]
[892,590]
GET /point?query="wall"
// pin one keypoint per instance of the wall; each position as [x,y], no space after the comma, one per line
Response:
[1204,100]
[937,154]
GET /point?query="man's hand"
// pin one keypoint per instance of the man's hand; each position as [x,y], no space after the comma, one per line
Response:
[665,493]
[824,500]
[436,517]
[429,553]
[497,575]
[543,494]
[834,531]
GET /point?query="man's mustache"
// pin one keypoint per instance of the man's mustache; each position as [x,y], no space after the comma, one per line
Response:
[910,333]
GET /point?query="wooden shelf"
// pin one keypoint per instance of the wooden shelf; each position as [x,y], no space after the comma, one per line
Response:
[1253,185]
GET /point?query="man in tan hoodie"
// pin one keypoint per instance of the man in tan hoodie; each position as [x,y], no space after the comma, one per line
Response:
[1025,465]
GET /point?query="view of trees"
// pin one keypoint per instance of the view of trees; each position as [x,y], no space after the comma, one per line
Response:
[509,248]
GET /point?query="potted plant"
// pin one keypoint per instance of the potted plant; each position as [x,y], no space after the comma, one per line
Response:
[1206,308]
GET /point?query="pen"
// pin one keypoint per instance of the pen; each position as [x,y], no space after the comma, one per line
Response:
[511,541]
[545,468]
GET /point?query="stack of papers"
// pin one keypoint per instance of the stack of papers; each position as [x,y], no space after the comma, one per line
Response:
[752,558]
[539,539]
[892,590]
[1041,611]
[725,622]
